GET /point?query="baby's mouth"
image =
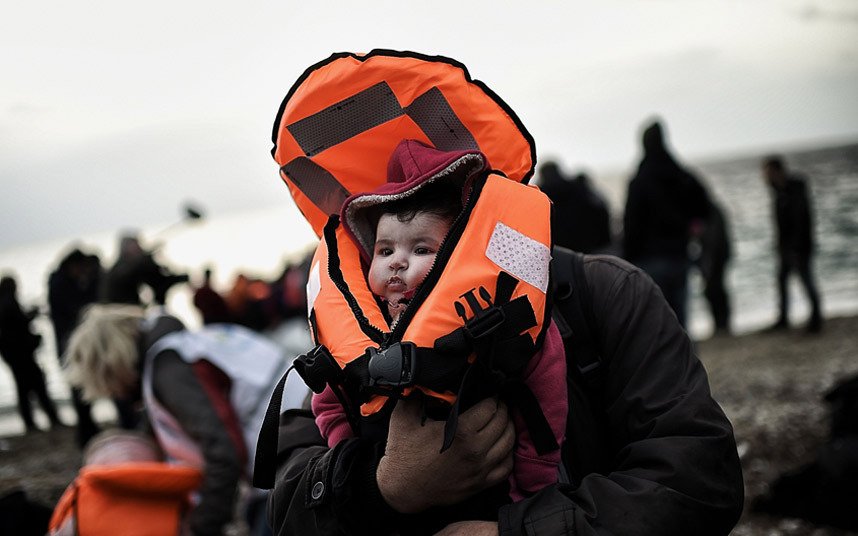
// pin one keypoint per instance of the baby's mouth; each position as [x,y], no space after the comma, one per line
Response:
[407,295]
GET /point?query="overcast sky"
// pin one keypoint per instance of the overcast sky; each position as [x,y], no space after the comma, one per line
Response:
[113,113]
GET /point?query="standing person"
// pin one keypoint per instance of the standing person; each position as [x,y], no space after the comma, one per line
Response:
[134,268]
[580,220]
[71,287]
[715,253]
[18,345]
[204,392]
[663,201]
[211,305]
[794,224]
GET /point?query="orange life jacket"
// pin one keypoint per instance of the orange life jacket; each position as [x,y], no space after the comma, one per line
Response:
[333,137]
[492,273]
[131,499]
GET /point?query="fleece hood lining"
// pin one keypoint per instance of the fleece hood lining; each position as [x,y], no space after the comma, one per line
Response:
[362,229]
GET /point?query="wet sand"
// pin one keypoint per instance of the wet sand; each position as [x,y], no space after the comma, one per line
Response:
[769,384]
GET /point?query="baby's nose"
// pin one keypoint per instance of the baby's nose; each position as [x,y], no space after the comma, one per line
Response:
[398,263]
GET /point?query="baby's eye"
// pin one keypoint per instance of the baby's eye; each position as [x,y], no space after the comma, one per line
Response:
[422,250]
[384,252]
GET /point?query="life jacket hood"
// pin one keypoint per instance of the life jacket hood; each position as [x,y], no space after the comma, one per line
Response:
[342,119]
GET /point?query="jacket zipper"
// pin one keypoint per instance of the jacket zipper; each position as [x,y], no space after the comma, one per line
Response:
[441,259]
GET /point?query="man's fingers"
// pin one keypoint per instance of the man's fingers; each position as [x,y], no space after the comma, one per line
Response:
[477,416]
[502,447]
[500,472]
[496,425]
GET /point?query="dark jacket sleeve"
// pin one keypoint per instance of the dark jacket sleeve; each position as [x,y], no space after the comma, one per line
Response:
[180,391]
[674,468]
[321,491]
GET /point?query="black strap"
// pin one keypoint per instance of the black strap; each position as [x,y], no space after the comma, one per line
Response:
[265,463]
[587,446]
[573,313]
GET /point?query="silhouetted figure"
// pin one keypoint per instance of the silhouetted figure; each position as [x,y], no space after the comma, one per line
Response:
[71,287]
[662,203]
[18,345]
[250,303]
[580,220]
[715,253]
[794,223]
[134,268]
[211,305]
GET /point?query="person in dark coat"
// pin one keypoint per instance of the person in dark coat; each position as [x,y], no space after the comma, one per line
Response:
[134,268]
[211,305]
[794,224]
[669,466]
[71,287]
[663,201]
[18,345]
[580,220]
[715,253]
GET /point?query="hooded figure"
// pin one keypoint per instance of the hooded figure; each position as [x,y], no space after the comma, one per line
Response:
[663,201]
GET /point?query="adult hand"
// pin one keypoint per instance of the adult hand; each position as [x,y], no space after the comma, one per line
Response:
[413,475]
[470,528]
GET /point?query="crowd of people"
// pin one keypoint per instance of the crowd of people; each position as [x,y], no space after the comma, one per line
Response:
[444,398]
[672,223]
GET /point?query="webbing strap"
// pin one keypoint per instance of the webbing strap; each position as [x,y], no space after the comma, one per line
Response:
[573,311]
[525,401]
[265,463]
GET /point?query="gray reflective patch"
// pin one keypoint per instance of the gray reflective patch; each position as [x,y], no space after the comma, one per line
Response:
[439,122]
[349,117]
[322,188]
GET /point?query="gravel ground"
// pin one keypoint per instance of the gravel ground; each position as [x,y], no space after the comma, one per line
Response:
[769,384]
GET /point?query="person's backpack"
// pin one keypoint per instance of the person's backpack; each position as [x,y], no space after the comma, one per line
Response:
[584,450]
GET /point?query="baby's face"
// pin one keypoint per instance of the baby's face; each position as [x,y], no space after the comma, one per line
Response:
[404,253]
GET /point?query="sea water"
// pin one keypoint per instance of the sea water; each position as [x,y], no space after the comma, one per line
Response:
[260,242]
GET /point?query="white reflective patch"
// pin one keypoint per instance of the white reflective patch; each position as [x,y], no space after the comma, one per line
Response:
[523,257]
[314,285]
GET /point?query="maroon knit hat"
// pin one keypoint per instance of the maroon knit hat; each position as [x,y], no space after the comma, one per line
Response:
[411,166]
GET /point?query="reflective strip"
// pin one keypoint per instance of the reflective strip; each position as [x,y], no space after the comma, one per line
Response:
[314,285]
[439,122]
[322,188]
[523,257]
[345,119]
[355,115]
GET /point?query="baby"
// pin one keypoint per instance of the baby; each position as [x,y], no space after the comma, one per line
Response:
[407,234]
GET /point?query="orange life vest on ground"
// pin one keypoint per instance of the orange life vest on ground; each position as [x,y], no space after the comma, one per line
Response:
[131,499]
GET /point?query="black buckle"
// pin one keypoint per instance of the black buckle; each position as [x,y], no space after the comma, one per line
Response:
[485,322]
[318,368]
[395,366]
